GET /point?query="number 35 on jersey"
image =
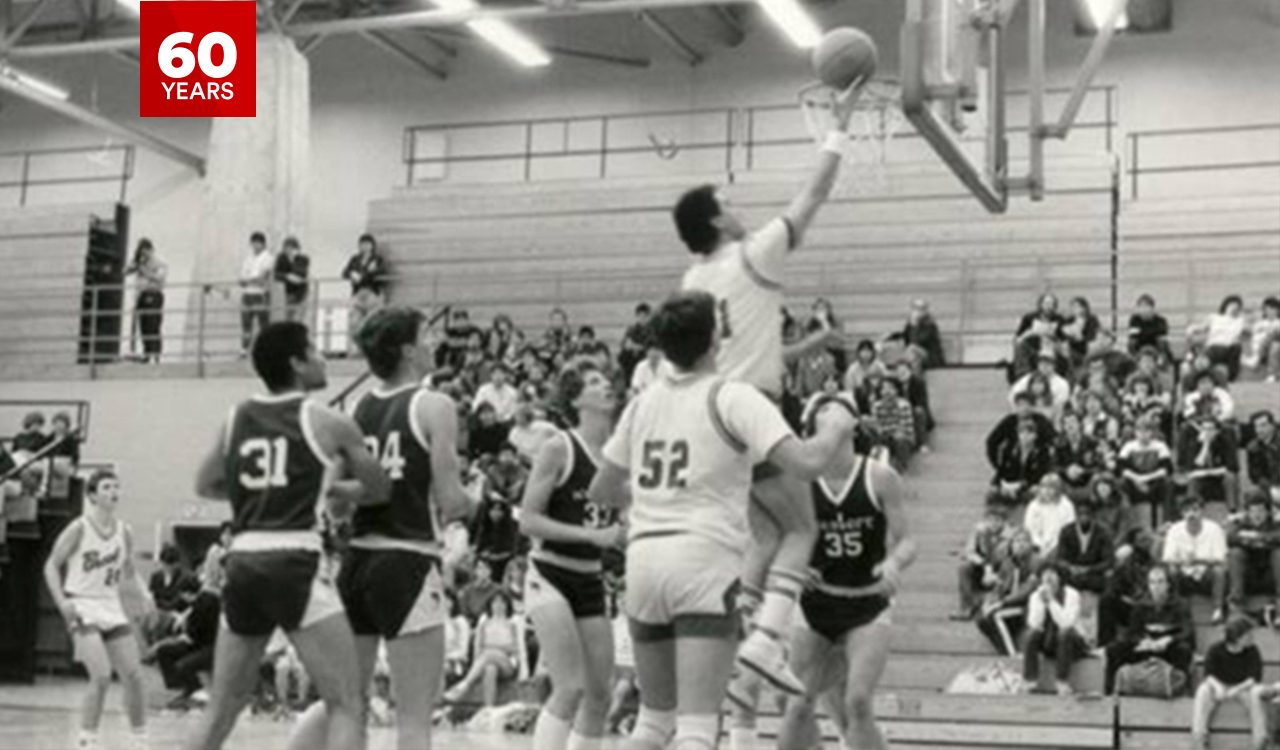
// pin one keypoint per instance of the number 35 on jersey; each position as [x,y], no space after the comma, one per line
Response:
[198,58]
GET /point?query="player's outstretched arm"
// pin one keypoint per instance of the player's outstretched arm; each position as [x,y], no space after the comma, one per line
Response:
[891,492]
[548,467]
[132,587]
[610,487]
[67,543]
[340,438]
[817,188]
[808,458]
[436,416]
[211,477]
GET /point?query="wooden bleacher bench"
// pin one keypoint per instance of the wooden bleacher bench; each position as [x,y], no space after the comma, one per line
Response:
[1153,724]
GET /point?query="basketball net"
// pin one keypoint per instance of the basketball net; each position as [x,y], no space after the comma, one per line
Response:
[877,117]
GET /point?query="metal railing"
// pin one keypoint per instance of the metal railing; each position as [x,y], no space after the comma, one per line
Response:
[22,172]
[1260,144]
[735,137]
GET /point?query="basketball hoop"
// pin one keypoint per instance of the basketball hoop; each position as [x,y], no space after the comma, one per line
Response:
[877,117]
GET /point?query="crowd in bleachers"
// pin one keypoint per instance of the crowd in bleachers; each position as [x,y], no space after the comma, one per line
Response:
[1119,496]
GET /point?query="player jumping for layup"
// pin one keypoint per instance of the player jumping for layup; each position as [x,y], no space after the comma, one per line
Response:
[683,453]
[277,459]
[743,272]
[844,639]
[390,581]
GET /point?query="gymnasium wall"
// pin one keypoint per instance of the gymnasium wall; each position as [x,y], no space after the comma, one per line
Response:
[1217,67]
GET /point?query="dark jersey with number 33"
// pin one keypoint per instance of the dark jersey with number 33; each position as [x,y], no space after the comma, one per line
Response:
[569,505]
[852,531]
[386,419]
[274,469]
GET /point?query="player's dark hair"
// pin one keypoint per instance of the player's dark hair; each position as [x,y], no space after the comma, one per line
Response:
[684,327]
[275,348]
[292,241]
[1271,302]
[693,214]
[1147,298]
[366,237]
[569,386]
[643,307]
[1263,414]
[258,237]
[1256,497]
[169,555]
[33,419]
[384,334]
[97,478]
[1227,300]
[1237,628]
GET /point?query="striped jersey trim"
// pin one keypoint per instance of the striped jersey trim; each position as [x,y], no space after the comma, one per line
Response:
[754,273]
[380,542]
[568,563]
[265,541]
[717,421]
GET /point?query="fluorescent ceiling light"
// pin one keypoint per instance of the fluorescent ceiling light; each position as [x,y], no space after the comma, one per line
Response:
[1098,10]
[35,84]
[508,40]
[794,21]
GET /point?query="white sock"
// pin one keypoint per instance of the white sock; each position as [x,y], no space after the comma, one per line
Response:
[742,738]
[580,742]
[653,728]
[780,595]
[551,732]
[697,732]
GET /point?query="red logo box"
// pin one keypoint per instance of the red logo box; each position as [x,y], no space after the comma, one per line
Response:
[199,58]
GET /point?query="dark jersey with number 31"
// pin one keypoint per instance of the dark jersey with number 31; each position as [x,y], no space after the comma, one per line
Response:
[569,504]
[274,469]
[851,531]
[386,419]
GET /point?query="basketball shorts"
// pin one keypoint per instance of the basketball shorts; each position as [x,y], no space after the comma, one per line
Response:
[681,584]
[583,592]
[104,615]
[391,592]
[286,588]
[834,617]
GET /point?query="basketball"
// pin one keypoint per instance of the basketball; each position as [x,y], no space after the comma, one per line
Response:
[844,55]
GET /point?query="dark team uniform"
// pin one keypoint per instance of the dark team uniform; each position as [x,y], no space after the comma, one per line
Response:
[390,580]
[573,569]
[275,478]
[852,541]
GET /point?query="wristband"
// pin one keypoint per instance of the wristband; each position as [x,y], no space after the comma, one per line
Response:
[835,142]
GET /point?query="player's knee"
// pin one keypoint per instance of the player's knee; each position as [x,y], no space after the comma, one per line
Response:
[568,692]
[859,706]
[100,681]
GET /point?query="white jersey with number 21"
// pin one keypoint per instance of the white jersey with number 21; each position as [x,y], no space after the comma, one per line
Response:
[746,280]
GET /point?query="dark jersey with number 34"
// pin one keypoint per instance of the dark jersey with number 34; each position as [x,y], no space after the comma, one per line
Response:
[274,470]
[569,504]
[852,531]
[386,419]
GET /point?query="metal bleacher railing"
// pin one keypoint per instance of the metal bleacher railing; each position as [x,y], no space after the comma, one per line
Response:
[43,174]
[1163,153]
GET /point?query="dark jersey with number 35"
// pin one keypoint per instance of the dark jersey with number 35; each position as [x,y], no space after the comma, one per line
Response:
[390,434]
[569,504]
[275,472]
[852,531]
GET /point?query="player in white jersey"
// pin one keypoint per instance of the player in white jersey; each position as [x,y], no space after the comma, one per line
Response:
[97,551]
[682,459]
[744,272]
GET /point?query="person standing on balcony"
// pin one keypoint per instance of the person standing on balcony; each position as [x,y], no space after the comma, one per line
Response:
[148,310]
[255,290]
[367,272]
[292,269]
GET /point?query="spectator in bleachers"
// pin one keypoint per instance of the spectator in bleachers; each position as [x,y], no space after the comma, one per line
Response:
[486,435]
[148,306]
[366,271]
[457,641]
[1195,551]
[866,364]
[500,342]
[1117,364]
[184,657]
[1141,400]
[1079,330]
[32,437]
[1037,333]
[1149,367]
[921,335]
[255,289]
[1086,552]
[68,445]
[1095,380]
[499,393]
[1263,454]
[1253,554]
[495,535]
[1195,362]
[1226,336]
[558,337]
[1208,399]
[1004,611]
[592,348]
[1127,585]
[1264,340]
[823,318]
[1048,515]
[1160,627]
[916,390]
[1004,436]
[457,336]
[895,420]
[812,366]
[1146,470]
[1208,462]
[290,677]
[473,598]
[636,342]
[1021,466]
[645,372]
[1053,629]
[1059,389]
[496,652]
[293,270]
[1232,672]
[1147,328]
[1076,457]
[173,587]
[211,569]
[1099,423]
[1108,505]
[979,567]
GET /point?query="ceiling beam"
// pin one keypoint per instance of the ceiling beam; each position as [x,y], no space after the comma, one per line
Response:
[729,28]
[291,11]
[380,40]
[441,46]
[267,9]
[608,58]
[95,120]
[669,37]
[24,23]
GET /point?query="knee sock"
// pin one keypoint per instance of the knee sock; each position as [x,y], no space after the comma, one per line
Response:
[742,738]
[579,742]
[653,728]
[551,732]
[697,732]
[781,592]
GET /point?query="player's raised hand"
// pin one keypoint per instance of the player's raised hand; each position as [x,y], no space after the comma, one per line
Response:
[611,536]
[846,101]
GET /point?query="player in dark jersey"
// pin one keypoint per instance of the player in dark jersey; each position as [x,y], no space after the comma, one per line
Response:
[278,459]
[390,582]
[564,590]
[842,645]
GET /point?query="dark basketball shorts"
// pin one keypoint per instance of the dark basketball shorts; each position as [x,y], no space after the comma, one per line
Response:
[834,617]
[392,592]
[584,592]
[268,589]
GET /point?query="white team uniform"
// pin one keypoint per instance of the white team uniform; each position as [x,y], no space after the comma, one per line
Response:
[746,280]
[93,577]
[689,443]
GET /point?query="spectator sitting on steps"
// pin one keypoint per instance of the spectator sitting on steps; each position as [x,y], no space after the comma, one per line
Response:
[1233,672]
[1047,516]
[1021,466]
[1195,550]
[1253,554]
[1085,552]
[1263,454]
[1053,629]
[979,568]
[1160,627]
[1005,434]
[1059,387]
